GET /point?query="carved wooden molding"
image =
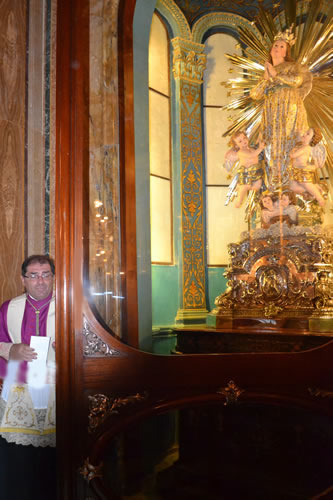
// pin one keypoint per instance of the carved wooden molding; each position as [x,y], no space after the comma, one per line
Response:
[89,471]
[231,393]
[94,346]
[101,407]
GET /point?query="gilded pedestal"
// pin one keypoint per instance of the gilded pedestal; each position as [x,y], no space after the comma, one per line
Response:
[274,281]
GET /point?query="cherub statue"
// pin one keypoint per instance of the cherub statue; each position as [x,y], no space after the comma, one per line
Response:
[277,207]
[288,208]
[249,172]
[269,209]
[306,158]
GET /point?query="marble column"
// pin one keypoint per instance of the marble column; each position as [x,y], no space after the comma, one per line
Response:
[189,62]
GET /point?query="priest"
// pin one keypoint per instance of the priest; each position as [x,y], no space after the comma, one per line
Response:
[27,401]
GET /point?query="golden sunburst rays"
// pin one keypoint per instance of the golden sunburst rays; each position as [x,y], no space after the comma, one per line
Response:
[313,29]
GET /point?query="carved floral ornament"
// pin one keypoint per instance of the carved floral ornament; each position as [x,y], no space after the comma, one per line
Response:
[93,345]
[101,407]
[291,280]
[231,393]
[89,471]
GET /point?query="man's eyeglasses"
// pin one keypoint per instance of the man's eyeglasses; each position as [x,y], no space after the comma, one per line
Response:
[36,276]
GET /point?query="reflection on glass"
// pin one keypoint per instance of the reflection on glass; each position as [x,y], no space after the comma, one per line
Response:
[104,236]
[217,452]
[279,164]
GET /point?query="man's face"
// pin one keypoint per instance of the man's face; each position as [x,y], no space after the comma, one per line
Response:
[39,288]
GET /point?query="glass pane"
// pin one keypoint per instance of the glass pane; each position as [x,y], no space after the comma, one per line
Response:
[159,134]
[218,67]
[104,220]
[160,207]
[158,57]
[215,146]
[218,451]
[221,216]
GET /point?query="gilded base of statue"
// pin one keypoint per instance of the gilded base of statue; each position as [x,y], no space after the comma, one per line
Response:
[278,279]
[322,318]
[322,325]
[298,324]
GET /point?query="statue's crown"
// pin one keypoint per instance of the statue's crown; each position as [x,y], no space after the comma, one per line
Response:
[287,36]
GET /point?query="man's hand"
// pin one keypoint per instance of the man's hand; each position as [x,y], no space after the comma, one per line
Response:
[22,352]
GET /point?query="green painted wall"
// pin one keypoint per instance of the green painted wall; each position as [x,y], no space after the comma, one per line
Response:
[165,292]
[165,289]
[216,285]
[144,10]
[159,287]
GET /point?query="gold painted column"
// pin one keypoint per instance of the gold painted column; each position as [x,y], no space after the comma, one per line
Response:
[189,62]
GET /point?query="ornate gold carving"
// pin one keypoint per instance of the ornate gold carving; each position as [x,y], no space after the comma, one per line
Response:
[273,277]
[322,318]
[231,393]
[225,301]
[89,471]
[324,291]
[189,61]
[101,407]
[175,17]
[320,393]
[221,19]
[93,345]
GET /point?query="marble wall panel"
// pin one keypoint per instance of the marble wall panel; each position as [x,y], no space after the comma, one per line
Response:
[27,132]
[35,130]
[41,85]
[12,140]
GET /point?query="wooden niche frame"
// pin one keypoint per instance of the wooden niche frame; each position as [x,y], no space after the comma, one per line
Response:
[91,387]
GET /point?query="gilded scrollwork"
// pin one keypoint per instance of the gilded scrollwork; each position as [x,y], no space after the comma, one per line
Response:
[93,345]
[231,393]
[101,407]
[324,247]
[323,299]
[269,278]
